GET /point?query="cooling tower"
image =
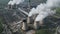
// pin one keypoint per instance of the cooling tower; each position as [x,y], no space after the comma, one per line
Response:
[24,27]
[34,17]
[36,25]
[12,6]
[15,6]
[41,23]
[9,6]
[28,20]
[58,30]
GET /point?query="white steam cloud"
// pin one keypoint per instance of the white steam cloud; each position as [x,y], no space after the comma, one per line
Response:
[53,3]
[44,14]
[9,3]
[15,2]
[33,11]
[44,9]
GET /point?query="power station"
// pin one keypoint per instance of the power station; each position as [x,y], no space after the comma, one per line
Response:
[26,19]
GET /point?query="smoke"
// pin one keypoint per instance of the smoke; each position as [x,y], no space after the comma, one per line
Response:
[44,9]
[44,14]
[33,11]
[15,2]
[9,3]
[53,3]
[19,1]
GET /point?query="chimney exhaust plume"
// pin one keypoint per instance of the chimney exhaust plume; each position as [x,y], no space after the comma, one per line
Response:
[14,2]
[44,9]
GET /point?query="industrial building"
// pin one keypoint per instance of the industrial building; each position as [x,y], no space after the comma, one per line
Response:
[16,17]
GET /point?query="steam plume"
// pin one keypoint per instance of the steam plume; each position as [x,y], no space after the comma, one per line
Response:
[15,2]
[44,9]
[9,3]
[53,3]
[33,11]
[19,1]
[43,15]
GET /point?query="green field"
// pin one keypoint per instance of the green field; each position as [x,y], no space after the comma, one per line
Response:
[1,24]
